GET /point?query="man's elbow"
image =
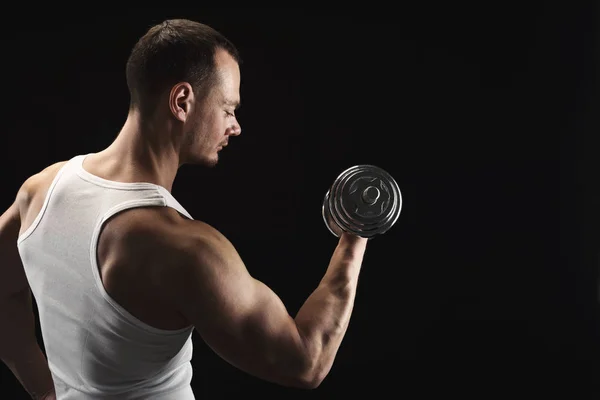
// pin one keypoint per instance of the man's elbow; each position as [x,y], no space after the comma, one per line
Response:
[305,367]
[310,377]
[305,382]
[313,382]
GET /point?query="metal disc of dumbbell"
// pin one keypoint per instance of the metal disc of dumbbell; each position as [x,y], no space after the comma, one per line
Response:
[364,200]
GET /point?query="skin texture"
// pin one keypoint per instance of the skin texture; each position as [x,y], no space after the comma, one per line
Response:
[190,274]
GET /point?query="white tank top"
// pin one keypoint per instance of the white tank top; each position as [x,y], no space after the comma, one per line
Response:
[95,348]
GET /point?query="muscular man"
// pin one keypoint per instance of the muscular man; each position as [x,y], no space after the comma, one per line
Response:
[122,274]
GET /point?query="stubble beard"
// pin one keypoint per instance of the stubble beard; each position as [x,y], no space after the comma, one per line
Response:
[192,141]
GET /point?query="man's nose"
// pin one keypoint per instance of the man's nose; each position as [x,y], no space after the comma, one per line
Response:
[234,130]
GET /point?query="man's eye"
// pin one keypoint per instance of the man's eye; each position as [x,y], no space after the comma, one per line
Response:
[229,113]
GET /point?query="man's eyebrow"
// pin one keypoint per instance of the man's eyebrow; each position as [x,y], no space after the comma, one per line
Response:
[234,103]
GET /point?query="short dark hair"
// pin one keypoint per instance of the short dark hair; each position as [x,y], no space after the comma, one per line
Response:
[176,50]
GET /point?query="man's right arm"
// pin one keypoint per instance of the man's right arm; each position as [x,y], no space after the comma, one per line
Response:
[247,324]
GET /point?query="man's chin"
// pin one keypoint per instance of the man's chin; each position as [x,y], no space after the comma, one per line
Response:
[203,160]
[209,162]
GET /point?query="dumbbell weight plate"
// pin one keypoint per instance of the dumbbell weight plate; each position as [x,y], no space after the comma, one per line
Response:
[363,200]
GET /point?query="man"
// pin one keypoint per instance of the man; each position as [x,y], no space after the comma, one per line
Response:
[122,274]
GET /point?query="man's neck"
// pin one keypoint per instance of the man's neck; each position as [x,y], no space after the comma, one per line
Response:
[143,153]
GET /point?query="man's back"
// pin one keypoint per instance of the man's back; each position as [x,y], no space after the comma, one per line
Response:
[99,338]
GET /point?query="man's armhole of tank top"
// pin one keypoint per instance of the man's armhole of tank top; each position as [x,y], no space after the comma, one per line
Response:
[61,166]
[121,207]
[171,202]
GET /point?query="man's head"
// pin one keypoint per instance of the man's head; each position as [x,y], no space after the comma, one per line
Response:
[186,75]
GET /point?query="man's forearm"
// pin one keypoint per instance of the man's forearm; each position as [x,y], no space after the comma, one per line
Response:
[19,348]
[324,317]
[30,367]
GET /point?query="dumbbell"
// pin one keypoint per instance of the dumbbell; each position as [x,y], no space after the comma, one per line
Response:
[363,200]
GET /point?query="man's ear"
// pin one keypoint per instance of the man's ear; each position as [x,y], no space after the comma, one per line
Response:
[181,98]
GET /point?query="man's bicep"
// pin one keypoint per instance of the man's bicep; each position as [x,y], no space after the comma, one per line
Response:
[239,317]
[12,276]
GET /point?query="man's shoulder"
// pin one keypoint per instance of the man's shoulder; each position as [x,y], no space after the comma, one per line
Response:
[159,232]
[45,175]
[37,184]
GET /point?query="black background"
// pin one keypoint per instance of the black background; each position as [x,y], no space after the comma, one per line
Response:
[485,115]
